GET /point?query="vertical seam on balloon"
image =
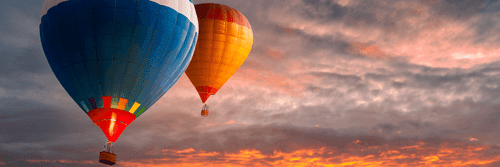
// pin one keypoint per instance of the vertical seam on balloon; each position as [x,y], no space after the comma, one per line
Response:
[169,42]
[215,81]
[174,76]
[131,41]
[144,101]
[209,76]
[119,87]
[185,66]
[73,95]
[112,61]
[204,77]
[169,78]
[127,57]
[98,62]
[240,28]
[83,63]
[174,70]
[233,57]
[78,81]
[113,33]
[217,72]
[145,57]
[178,53]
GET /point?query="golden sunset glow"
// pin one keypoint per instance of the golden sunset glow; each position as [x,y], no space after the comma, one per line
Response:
[355,154]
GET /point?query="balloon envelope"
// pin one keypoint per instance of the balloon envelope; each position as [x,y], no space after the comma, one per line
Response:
[224,43]
[116,58]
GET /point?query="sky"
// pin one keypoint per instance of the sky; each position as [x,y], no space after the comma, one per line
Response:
[327,83]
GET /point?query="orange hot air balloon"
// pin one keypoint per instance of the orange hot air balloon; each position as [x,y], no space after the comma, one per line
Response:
[224,41]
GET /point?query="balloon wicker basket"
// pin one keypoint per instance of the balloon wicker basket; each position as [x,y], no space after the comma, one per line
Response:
[107,155]
[107,158]
[204,111]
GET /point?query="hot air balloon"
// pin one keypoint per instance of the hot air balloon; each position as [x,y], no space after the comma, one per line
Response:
[116,58]
[224,43]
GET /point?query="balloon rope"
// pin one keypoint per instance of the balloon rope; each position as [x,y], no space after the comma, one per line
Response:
[109,147]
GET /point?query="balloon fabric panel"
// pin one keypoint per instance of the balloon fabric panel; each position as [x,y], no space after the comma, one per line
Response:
[184,64]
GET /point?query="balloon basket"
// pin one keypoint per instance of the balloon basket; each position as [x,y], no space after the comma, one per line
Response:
[107,155]
[107,158]
[204,111]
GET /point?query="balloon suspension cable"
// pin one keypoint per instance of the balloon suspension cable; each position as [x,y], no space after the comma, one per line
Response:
[109,147]
[205,107]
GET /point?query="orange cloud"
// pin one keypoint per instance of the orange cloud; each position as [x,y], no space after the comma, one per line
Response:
[253,64]
[356,154]
[410,30]
[189,150]
[234,122]
[293,85]
[275,53]
[372,51]
[226,123]
[432,40]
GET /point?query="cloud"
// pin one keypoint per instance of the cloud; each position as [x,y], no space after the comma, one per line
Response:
[286,145]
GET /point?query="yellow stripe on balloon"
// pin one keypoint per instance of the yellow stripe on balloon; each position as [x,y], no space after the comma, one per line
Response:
[134,107]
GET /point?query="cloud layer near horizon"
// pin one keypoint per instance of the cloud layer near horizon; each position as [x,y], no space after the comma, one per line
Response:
[370,82]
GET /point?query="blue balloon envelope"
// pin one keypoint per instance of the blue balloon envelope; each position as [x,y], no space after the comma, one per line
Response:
[116,58]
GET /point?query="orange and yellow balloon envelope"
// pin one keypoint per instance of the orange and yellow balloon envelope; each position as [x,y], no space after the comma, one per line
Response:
[224,42]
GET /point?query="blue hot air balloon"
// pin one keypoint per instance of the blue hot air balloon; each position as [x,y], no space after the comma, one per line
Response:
[116,58]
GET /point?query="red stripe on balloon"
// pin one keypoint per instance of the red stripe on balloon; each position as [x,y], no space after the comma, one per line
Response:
[106,101]
[221,12]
